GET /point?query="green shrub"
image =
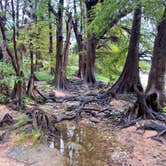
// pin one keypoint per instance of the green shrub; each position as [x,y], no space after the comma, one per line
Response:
[4,99]
[71,70]
[44,76]
[144,65]
[164,109]
[7,75]
[33,136]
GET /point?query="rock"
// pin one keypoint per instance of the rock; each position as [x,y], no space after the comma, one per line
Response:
[37,155]
[51,94]
[71,106]
[95,120]
[90,93]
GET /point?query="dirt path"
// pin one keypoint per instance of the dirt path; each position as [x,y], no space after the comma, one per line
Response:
[143,150]
[5,160]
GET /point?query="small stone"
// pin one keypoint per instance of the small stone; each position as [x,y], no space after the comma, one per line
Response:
[71,106]
[95,120]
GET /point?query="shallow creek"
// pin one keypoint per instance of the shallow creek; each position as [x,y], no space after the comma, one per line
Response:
[85,145]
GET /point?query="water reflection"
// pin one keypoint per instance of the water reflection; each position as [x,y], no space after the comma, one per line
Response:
[83,145]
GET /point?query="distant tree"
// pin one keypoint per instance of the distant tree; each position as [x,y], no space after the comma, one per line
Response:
[79,36]
[62,49]
[18,87]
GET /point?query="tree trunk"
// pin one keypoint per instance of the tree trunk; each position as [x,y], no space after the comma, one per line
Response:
[78,36]
[69,26]
[89,76]
[130,75]
[60,78]
[156,80]
[18,83]
[79,39]
[1,54]
[30,88]
[50,38]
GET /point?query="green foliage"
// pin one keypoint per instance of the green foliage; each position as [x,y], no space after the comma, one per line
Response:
[26,68]
[145,66]
[71,70]
[164,109]
[111,56]
[72,66]
[44,76]
[33,136]
[106,11]
[27,133]
[26,99]
[22,119]
[153,9]
[4,99]
[46,88]
[7,74]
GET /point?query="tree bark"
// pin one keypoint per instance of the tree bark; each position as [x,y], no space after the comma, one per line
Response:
[130,74]
[69,26]
[60,78]
[156,80]
[18,89]
[89,75]
[1,54]
[50,38]
[78,36]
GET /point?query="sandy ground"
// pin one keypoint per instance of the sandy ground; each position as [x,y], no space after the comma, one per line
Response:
[143,151]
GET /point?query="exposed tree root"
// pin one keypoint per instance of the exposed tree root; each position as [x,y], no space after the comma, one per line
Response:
[60,118]
[146,107]
[161,129]
[34,93]
[7,119]
[40,120]
[2,136]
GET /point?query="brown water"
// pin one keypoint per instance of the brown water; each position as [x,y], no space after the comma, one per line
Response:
[84,145]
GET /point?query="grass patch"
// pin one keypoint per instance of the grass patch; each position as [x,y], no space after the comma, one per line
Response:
[32,137]
[23,119]
[27,133]
[44,76]
[46,88]
[71,70]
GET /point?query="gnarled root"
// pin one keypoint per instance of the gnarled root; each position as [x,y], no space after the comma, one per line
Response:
[7,119]
[160,128]
[146,107]
[34,93]
[40,120]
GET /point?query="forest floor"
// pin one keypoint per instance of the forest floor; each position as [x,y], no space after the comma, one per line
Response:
[93,140]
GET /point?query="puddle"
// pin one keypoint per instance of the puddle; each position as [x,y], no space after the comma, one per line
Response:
[84,145]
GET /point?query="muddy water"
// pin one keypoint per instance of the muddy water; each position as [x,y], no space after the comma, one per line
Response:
[84,145]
